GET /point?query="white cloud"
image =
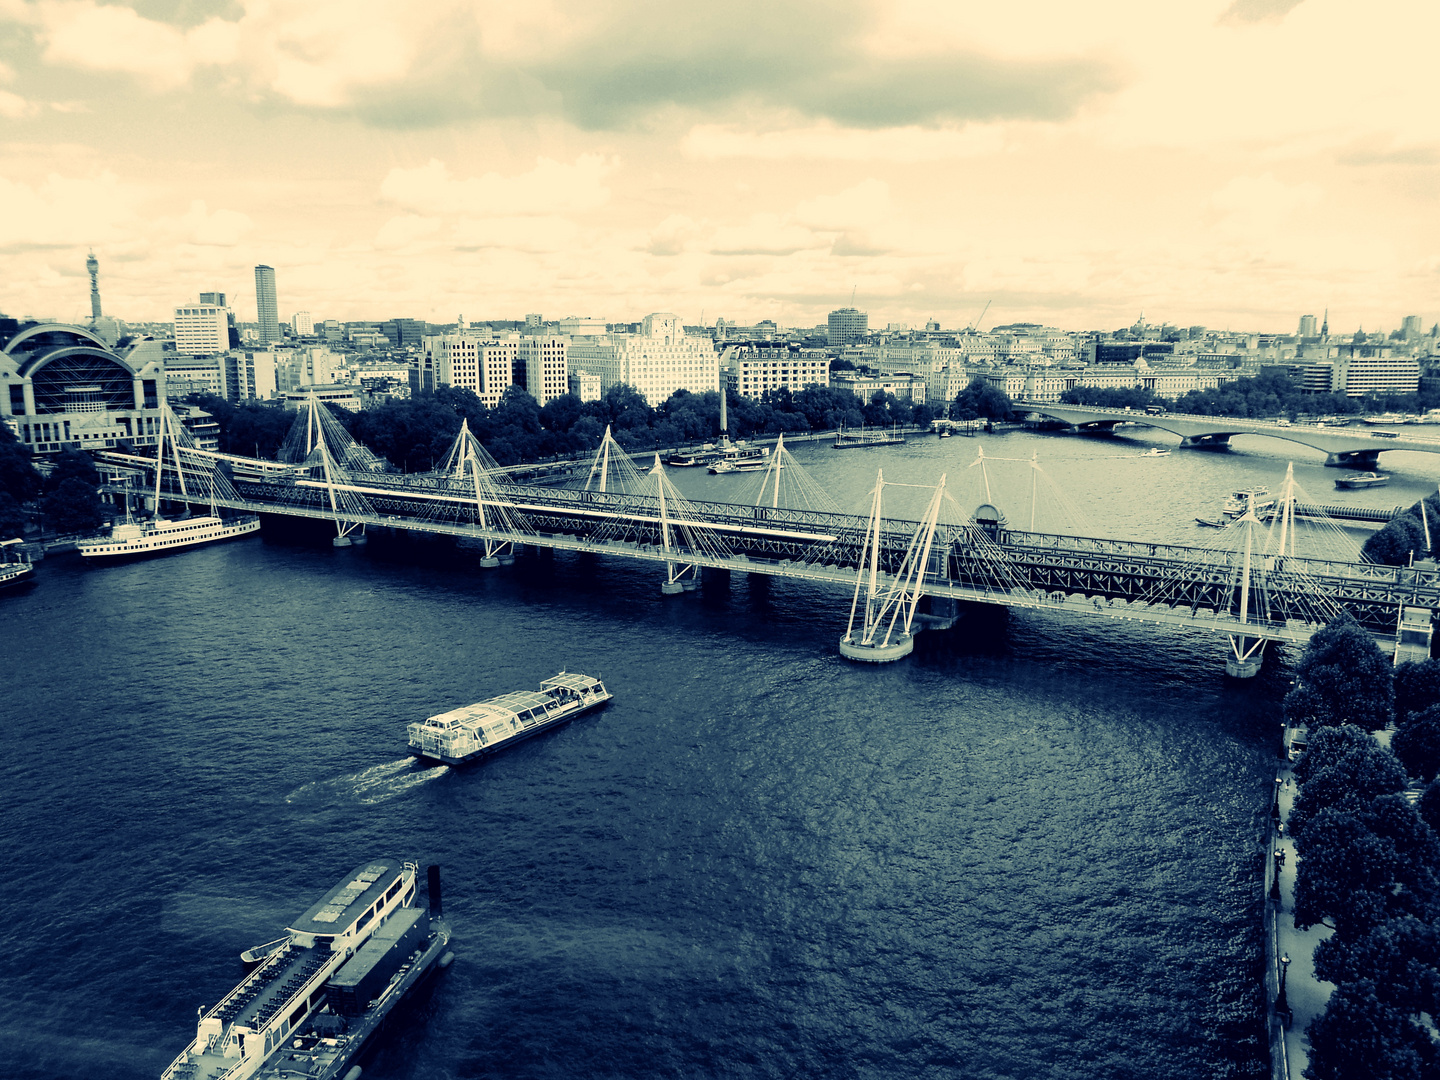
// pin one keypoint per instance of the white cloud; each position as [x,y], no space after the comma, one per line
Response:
[64,211]
[404,229]
[1263,204]
[764,234]
[223,228]
[537,234]
[867,203]
[826,141]
[551,187]
[15,107]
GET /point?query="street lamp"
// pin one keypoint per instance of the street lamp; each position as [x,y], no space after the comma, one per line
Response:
[1275,881]
[1282,1005]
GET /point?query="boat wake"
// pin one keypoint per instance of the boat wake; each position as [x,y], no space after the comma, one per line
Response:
[376,784]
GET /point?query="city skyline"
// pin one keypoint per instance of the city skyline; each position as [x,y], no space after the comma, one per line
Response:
[1230,164]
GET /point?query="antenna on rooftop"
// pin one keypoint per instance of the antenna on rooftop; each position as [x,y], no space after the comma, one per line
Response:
[852,294]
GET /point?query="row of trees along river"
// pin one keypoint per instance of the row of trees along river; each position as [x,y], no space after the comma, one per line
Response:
[1369,859]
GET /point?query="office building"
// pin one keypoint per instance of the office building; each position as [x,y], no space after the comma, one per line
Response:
[468,361]
[585,386]
[214,299]
[657,361]
[1308,326]
[752,369]
[544,362]
[267,312]
[201,330]
[303,324]
[185,375]
[846,325]
[1410,328]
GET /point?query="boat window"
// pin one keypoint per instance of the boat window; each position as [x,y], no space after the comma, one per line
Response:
[364,919]
[390,895]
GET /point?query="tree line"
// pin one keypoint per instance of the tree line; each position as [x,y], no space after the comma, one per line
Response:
[413,434]
[1271,393]
[67,500]
[1369,858]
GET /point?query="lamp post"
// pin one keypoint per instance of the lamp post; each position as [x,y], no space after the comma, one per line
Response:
[1275,880]
[1282,1005]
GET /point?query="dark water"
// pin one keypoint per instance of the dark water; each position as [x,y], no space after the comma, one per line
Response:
[1030,850]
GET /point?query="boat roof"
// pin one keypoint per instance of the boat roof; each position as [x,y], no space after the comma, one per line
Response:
[342,905]
[571,681]
[506,705]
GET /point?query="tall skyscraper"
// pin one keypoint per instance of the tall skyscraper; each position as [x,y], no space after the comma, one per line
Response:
[1411,327]
[92,264]
[1307,326]
[847,325]
[267,313]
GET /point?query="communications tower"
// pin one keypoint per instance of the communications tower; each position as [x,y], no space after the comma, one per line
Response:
[92,264]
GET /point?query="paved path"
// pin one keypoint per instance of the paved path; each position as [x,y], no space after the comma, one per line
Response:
[1306,995]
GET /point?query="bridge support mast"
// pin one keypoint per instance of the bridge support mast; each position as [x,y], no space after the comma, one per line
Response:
[1246,653]
[879,639]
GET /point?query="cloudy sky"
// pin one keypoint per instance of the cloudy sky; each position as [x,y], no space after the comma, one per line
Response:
[1224,162]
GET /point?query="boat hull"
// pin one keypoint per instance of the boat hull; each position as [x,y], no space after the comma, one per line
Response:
[500,747]
[16,578]
[144,548]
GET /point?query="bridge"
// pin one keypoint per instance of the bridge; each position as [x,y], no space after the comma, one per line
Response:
[1252,586]
[1343,447]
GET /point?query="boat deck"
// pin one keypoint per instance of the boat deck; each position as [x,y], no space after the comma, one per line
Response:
[285,979]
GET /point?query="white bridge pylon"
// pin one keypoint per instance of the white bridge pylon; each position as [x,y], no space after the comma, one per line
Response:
[471,465]
[884,632]
[309,443]
[197,473]
[679,534]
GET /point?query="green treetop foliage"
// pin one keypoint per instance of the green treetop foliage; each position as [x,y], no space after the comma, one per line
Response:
[1360,1037]
[1342,678]
[1417,687]
[18,478]
[1106,397]
[1417,744]
[74,506]
[71,465]
[1403,537]
[981,400]
[1329,746]
[12,517]
[1401,956]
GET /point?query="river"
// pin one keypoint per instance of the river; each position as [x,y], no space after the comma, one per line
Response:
[1029,850]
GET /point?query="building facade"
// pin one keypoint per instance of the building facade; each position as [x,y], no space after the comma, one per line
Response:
[62,387]
[752,369]
[657,361]
[267,312]
[186,375]
[545,363]
[846,325]
[303,323]
[201,330]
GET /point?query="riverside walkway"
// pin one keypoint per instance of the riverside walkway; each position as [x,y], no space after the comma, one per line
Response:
[1254,590]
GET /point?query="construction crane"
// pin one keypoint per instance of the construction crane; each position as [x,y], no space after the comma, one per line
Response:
[976,324]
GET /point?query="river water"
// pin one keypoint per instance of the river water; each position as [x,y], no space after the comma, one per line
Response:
[1029,850]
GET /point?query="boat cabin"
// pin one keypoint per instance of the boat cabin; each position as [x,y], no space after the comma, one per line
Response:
[350,907]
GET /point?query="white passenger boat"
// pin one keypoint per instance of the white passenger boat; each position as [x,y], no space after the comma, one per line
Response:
[1258,498]
[488,727]
[1362,480]
[310,1006]
[15,566]
[128,539]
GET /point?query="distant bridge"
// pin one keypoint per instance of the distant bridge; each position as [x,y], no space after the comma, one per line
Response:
[1254,590]
[1347,448]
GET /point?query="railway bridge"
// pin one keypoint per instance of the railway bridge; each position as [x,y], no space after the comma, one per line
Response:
[1253,588]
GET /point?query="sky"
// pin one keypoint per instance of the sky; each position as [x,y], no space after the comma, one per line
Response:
[1228,163]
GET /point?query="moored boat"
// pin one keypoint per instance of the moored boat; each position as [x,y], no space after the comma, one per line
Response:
[1257,498]
[487,727]
[682,461]
[1156,451]
[1362,480]
[15,566]
[128,539]
[318,996]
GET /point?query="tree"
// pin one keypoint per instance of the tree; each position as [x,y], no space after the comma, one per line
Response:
[1328,746]
[72,507]
[1395,544]
[71,465]
[12,517]
[1417,687]
[1401,956]
[18,477]
[979,399]
[1417,744]
[1359,1037]
[1345,874]
[1342,678]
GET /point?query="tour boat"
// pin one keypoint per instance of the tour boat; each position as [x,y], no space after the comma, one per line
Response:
[1258,498]
[742,465]
[318,995]
[1383,418]
[682,461]
[131,538]
[15,566]
[1362,480]
[490,726]
[844,440]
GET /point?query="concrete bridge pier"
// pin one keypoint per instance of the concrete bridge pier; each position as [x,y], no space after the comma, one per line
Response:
[1246,656]
[1354,459]
[1217,441]
[900,646]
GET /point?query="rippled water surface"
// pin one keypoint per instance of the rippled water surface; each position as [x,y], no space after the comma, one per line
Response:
[1030,850]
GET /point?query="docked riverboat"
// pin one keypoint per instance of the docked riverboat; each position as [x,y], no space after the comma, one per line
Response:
[742,465]
[845,440]
[129,539]
[1362,480]
[487,727]
[15,566]
[315,999]
[683,461]
[1258,499]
